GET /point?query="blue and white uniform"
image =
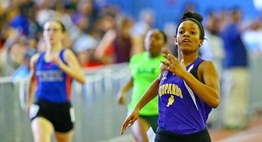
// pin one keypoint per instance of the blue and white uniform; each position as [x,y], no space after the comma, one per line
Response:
[53,91]
[53,85]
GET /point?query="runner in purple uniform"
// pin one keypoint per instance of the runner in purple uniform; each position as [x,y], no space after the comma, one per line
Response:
[188,88]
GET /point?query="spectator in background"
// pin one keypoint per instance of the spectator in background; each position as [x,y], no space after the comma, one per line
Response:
[192,6]
[170,29]
[213,50]
[105,23]
[12,56]
[119,41]
[86,9]
[235,79]
[253,38]
[24,69]
[22,21]
[25,22]
[225,17]
[141,27]
[84,48]
[3,23]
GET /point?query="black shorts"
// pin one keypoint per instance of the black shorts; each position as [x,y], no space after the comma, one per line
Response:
[151,120]
[60,115]
[165,136]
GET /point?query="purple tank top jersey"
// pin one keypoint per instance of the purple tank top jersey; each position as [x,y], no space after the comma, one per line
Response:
[180,109]
[53,84]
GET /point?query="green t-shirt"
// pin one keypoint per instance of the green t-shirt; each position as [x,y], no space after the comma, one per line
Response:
[144,71]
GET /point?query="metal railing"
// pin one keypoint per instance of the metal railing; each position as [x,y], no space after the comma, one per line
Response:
[98,116]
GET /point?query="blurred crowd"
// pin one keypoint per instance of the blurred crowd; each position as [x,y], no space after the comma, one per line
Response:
[101,34]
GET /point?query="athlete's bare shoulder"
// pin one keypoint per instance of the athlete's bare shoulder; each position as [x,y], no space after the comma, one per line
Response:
[34,59]
[207,65]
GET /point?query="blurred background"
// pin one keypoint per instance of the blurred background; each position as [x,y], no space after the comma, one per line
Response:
[104,34]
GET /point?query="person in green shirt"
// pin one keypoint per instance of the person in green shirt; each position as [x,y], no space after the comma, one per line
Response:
[144,69]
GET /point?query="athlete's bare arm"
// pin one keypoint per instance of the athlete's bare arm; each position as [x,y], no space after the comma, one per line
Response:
[31,83]
[122,92]
[73,67]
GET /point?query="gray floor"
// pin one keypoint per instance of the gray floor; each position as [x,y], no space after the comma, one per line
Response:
[124,138]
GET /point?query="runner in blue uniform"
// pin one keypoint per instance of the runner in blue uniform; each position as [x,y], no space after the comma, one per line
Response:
[48,101]
[188,88]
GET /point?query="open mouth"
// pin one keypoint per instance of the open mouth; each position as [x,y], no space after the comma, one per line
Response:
[187,40]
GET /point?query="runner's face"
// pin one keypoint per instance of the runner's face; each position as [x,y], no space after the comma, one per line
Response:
[53,32]
[154,41]
[188,37]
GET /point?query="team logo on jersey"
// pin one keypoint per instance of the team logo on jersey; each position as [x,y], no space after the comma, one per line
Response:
[171,89]
[146,70]
[50,75]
